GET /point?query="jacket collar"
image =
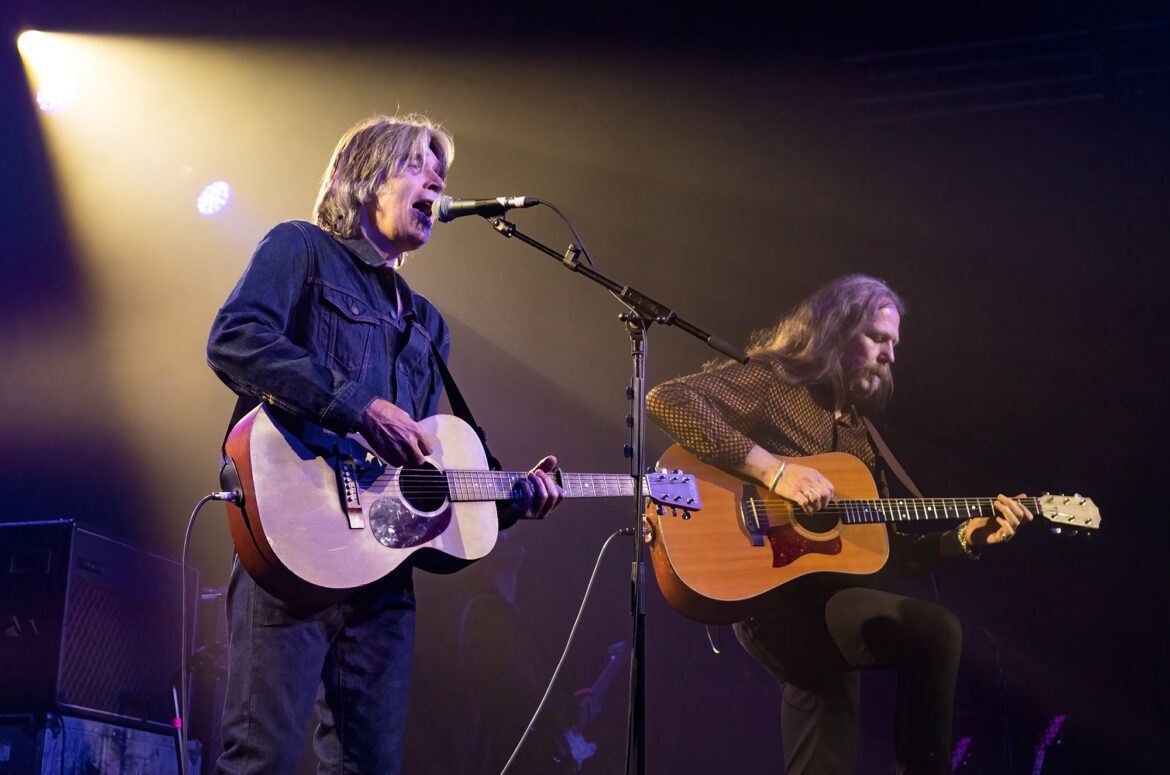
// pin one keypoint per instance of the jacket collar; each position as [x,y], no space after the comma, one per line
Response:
[361,247]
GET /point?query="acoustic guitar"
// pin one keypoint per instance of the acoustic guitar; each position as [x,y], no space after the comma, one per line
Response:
[732,561]
[323,516]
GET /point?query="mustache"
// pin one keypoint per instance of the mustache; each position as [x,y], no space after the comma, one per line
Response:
[876,370]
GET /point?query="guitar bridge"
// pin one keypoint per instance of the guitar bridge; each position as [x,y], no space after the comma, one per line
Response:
[347,486]
[749,515]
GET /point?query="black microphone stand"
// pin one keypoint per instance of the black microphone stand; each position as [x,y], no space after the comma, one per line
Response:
[643,312]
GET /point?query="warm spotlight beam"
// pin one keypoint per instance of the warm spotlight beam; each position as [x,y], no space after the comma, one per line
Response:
[51,66]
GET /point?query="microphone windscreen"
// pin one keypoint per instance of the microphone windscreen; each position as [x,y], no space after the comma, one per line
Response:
[442,208]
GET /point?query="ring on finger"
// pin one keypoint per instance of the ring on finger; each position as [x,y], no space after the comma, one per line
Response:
[809,492]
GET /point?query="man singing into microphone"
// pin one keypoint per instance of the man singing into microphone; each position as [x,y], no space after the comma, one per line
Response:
[322,326]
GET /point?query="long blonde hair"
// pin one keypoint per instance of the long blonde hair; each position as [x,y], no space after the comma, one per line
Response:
[369,153]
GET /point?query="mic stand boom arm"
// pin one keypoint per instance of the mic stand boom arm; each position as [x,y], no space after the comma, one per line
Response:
[644,312]
[642,305]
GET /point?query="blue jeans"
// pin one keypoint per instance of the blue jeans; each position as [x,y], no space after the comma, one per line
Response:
[351,660]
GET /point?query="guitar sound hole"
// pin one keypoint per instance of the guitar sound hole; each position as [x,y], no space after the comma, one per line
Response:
[816,523]
[424,488]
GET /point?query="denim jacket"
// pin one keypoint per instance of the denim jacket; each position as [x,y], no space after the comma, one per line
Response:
[311,328]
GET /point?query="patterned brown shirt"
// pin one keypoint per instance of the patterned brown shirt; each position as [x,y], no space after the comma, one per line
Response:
[719,415]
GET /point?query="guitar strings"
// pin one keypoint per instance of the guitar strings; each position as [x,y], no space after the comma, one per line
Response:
[935,509]
[433,482]
[426,482]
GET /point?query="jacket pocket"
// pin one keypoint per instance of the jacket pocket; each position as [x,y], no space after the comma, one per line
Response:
[351,324]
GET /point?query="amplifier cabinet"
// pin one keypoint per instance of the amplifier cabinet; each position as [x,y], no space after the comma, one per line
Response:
[89,626]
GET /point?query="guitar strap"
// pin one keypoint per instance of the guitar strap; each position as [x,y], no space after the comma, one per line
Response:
[890,460]
[461,410]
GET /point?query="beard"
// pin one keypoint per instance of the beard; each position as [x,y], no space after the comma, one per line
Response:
[872,399]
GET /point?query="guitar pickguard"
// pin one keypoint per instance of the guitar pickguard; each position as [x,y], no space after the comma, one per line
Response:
[416,514]
[396,525]
[788,546]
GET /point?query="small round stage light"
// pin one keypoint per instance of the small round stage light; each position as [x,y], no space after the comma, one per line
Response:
[56,92]
[214,198]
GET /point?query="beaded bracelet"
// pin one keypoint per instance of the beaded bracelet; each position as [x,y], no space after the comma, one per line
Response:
[779,471]
[964,545]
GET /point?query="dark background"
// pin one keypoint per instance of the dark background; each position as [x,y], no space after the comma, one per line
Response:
[1006,170]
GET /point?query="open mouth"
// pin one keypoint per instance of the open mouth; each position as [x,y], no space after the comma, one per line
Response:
[425,207]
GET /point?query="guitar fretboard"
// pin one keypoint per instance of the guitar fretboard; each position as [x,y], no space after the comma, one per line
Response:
[499,485]
[857,512]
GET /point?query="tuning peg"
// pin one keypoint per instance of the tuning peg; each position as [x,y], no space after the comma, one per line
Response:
[1056,530]
[686,514]
[673,512]
[661,511]
[627,450]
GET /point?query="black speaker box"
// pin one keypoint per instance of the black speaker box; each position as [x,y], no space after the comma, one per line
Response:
[88,626]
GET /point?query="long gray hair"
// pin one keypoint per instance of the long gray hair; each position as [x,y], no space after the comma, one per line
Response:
[369,153]
[810,341]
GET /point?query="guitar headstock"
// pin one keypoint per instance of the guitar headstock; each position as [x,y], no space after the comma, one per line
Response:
[673,489]
[1073,511]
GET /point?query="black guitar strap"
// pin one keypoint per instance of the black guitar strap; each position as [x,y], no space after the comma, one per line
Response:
[462,411]
[891,461]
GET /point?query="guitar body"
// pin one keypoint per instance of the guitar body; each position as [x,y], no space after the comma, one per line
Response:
[298,540]
[710,570]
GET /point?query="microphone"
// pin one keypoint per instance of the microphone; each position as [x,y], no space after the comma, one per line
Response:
[447,208]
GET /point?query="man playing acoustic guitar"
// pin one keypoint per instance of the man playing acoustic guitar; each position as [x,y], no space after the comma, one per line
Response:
[323,329]
[810,381]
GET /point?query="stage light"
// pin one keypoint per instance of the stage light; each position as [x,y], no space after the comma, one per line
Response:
[51,68]
[214,198]
[56,92]
[29,42]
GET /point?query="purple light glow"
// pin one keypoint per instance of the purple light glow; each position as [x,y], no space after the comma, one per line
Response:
[214,199]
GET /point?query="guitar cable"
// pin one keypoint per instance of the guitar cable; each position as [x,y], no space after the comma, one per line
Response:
[568,643]
[233,494]
[715,647]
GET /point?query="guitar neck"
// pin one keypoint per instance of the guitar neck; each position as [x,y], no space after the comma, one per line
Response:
[857,512]
[500,485]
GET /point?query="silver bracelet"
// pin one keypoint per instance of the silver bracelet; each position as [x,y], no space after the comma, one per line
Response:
[964,545]
[776,478]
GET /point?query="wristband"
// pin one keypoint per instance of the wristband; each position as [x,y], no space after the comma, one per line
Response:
[964,545]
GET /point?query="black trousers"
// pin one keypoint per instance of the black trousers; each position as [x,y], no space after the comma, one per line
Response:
[815,649]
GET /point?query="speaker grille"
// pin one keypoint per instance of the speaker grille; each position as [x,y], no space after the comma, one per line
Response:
[119,634]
